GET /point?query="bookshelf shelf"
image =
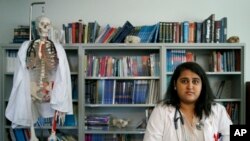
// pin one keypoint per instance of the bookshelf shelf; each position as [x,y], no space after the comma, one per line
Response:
[228,100]
[215,73]
[120,105]
[123,78]
[112,130]
[77,53]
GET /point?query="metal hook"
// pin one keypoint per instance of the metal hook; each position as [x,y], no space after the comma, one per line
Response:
[30,16]
[43,13]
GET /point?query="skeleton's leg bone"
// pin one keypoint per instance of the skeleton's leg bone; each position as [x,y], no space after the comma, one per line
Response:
[33,134]
[32,130]
[52,136]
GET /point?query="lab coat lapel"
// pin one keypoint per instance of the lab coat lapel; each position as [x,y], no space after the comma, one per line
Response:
[208,129]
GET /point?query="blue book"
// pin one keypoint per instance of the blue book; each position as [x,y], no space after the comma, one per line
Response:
[185,31]
[19,134]
[156,32]
[146,33]
[70,120]
[223,30]
[108,91]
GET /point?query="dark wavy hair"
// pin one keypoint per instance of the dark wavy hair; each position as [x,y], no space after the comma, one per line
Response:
[206,98]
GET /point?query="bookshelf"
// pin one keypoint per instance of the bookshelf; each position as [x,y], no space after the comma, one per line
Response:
[124,105]
[233,92]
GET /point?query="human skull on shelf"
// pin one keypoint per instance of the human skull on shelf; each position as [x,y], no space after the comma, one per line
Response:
[132,39]
[120,123]
[43,26]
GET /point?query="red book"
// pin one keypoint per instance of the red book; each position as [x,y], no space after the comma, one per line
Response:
[108,35]
[191,33]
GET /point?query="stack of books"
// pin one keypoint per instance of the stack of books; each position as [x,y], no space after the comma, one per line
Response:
[97,122]
[21,34]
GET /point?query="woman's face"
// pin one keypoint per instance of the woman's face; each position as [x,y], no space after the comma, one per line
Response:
[188,87]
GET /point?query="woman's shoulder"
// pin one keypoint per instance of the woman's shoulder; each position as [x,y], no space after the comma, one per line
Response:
[219,113]
[217,107]
[164,107]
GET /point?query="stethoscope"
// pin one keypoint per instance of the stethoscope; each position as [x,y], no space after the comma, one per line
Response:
[176,118]
[199,125]
[180,117]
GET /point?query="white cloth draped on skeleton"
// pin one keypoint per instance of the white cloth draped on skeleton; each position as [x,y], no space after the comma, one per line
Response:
[19,110]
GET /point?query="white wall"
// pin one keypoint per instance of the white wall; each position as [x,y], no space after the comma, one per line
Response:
[138,12]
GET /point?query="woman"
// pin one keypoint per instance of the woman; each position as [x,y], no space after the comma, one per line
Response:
[188,111]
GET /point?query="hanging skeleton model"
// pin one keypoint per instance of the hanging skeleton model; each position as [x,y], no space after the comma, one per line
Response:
[41,84]
[41,61]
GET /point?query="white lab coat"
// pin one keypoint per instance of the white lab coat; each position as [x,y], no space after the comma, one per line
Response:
[19,110]
[161,124]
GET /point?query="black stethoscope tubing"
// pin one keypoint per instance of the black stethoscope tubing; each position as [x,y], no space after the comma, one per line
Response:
[180,117]
[176,118]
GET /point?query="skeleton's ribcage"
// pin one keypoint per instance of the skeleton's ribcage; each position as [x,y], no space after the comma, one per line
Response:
[42,62]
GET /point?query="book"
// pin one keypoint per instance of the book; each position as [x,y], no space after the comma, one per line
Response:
[99,127]
[157,32]
[185,26]
[74,31]
[147,32]
[223,32]
[122,33]
[208,29]
[116,34]
[220,89]
[95,32]
[176,32]
[191,32]
[152,34]
[81,32]
[198,32]
[161,33]
[102,34]
[70,120]
[169,35]
[74,82]
[135,31]
[108,36]
[19,134]
[90,32]
[217,31]
[111,35]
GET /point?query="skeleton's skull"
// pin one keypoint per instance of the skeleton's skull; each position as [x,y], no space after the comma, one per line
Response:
[43,26]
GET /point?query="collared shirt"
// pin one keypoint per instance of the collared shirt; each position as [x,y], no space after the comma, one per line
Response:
[192,131]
